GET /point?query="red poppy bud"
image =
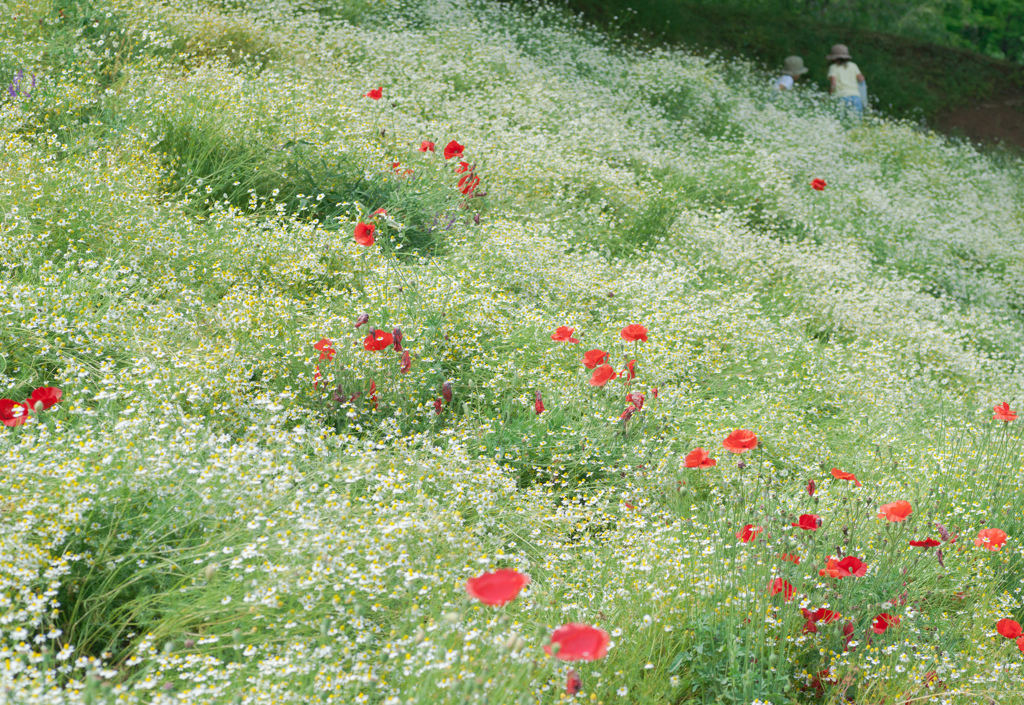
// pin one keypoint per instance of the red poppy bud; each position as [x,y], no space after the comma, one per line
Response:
[810,488]
[362,319]
[437,406]
[397,335]
[406,363]
[573,683]
[538,403]
[446,391]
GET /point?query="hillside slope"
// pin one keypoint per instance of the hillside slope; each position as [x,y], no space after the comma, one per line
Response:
[313,312]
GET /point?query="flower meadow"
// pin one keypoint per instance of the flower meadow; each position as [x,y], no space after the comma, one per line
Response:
[452,352]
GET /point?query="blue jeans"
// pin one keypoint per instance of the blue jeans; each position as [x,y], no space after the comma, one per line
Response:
[853,103]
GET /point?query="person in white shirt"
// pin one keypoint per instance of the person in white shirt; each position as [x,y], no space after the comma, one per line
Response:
[792,69]
[845,78]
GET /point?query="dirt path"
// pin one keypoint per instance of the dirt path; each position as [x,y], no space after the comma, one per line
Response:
[987,122]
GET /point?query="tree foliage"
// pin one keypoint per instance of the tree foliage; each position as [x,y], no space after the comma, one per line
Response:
[992,27]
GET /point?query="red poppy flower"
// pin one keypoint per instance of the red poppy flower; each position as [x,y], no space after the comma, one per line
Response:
[634,332]
[822,615]
[991,539]
[818,184]
[378,340]
[895,511]
[364,233]
[325,346]
[1020,644]
[795,560]
[573,683]
[850,566]
[748,533]
[375,94]
[883,622]
[602,375]
[593,358]
[627,414]
[1003,412]
[316,376]
[819,615]
[842,475]
[810,487]
[1009,628]
[497,588]
[630,370]
[779,585]
[463,167]
[43,398]
[538,403]
[578,642]
[637,399]
[453,149]
[563,334]
[438,404]
[467,183]
[406,363]
[13,413]
[927,543]
[808,522]
[740,441]
[446,392]
[427,146]
[699,458]
[654,392]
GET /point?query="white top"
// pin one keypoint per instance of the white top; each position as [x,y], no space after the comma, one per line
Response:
[846,79]
[784,83]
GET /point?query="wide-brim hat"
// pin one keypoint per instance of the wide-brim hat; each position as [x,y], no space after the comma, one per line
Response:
[839,51]
[794,66]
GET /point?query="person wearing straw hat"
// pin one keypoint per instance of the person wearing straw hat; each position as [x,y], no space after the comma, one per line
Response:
[845,78]
[792,69]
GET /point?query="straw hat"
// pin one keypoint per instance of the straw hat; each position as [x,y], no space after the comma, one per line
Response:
[794,66]
[839,51]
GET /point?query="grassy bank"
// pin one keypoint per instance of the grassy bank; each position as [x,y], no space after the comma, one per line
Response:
[285,441]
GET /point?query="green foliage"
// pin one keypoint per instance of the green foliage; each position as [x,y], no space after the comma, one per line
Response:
[906,75]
